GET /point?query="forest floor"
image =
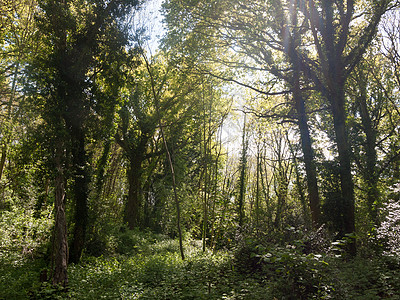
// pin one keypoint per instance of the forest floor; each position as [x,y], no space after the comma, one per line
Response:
[149,266]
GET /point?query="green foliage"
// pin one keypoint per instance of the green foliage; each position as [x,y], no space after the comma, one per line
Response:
[22,232]
[46,290]
[286,271]
[151,268]
[17,274]
[388,231]
[363,278]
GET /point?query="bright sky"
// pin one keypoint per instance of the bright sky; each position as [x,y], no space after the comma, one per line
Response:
[150,18]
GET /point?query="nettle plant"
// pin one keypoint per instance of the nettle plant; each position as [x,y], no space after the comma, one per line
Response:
[389,229]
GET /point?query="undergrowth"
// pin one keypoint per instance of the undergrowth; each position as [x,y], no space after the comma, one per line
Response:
[148,266]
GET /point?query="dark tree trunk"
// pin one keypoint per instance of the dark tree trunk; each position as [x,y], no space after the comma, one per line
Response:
[81,179]
[346,180]
[60,276]
[242,177]
[3,159]
[370,173]
[132,208]
[281,191]
[9,110]
[308,155]
[309,164]
[302,120]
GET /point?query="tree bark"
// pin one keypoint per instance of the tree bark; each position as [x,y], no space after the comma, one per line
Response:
[132,213]
[309,163]
[370,173]
[306,145]
[344,155]
[60,276]
[6,131]
[81,179]
[3,159]
[302,120]
[242,177]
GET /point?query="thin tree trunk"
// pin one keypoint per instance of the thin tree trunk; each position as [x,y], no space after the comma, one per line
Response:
[266,187]
[6,132]
[206,179]
[3,159]
[242,177]
[300,190]
[309,164]
[258,166]
[178,210]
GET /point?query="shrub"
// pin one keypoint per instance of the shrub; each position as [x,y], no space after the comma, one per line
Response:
[389,230]
[21,232]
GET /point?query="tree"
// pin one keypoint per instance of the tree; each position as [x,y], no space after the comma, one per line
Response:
[260,39]
[339,44]
[17,41]
[242,182]
[77,43]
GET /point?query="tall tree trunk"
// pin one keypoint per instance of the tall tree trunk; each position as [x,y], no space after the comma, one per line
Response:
[309,163]
[171,165]
[300,189]
[258,166]
[266,186]
[3,159]
[344,151]
[60,276]
[302,120]
[242,177]
[6,132]
[206,179]
[81,180]
[370,173]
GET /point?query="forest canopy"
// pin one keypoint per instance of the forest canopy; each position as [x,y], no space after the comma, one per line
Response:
[185,149]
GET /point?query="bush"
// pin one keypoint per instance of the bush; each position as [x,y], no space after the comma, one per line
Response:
[286,271]
[21,232]
[389,230]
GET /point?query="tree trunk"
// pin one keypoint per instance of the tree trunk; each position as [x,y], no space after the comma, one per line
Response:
[3,159]
[300,189]
[81,179]
[60,276]
[309,164]
[242,177]
[6,132]
[258,166]
[306,142]
[370,173]
[346,180]
[132,213]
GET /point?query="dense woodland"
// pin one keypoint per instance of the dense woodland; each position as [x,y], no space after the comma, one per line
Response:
[237,150]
